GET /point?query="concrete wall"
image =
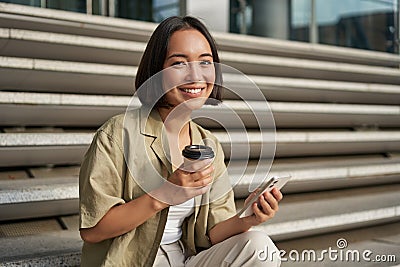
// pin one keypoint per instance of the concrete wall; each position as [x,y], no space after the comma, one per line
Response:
[214,13]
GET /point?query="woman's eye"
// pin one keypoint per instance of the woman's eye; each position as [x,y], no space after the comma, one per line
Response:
[205,62]
[179,63]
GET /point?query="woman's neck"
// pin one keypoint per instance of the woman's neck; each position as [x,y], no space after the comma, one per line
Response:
[175,121]
[178,132]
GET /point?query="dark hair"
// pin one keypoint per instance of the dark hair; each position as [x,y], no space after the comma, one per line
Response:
[156,51]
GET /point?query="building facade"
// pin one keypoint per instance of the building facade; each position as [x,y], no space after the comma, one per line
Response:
[363,24]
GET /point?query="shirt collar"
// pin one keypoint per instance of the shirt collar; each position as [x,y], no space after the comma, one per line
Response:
[150,122]
[151,125]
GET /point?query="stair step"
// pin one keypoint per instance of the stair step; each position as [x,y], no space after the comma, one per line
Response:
[30,18]
[94,51]
[51,172]
[311,69]
[38,197]
[283,48]
[63,76]
[380,240]
[301,214]
[42,109]
[308,90]
[91,78]
[294,114]
[29,149]
[53,248]
[9,175]
[316,174]
[47,45]
[307,143]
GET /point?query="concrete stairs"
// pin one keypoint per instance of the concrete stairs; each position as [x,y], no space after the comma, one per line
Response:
[337,113]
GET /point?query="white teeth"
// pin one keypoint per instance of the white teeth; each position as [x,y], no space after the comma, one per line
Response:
[192,91]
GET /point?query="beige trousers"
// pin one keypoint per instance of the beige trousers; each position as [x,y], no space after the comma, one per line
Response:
[252,248]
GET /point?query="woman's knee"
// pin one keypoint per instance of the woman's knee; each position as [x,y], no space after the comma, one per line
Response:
[261,244]
[258,238]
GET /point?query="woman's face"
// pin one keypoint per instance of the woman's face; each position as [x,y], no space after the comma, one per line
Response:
[189,74]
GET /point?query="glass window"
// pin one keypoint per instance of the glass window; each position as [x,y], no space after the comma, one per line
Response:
[100,7]
[300,17]
[69,5]
[241,16]
[365,24]
[23,2]
[133,9]
[267,18]
[163,9]
[150,10]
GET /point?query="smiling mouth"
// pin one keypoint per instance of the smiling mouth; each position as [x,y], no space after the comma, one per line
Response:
[192,91]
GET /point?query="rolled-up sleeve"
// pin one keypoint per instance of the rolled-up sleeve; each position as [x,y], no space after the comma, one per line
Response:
[101,179]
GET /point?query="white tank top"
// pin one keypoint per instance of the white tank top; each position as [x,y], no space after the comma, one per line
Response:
[176,216]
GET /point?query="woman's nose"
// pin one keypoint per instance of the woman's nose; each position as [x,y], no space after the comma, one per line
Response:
[194,72]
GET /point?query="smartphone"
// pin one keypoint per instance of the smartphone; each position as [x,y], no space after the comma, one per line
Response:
[274,182]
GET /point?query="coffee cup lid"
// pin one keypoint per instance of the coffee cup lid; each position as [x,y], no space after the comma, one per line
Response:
[198,152]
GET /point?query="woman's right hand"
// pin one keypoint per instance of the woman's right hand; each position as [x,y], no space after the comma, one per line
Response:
[182,185]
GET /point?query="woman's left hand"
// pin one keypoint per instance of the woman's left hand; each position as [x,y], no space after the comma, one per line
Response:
[269,205]
[236,225]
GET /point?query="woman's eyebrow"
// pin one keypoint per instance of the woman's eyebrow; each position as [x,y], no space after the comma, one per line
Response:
[185,56]
[206,55]
[177,55]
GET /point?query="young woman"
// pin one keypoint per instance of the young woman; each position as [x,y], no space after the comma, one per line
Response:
[193,224]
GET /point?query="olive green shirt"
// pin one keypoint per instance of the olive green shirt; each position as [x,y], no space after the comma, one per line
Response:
[107,180]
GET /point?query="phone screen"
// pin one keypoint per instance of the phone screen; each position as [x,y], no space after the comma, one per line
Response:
[274,182]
